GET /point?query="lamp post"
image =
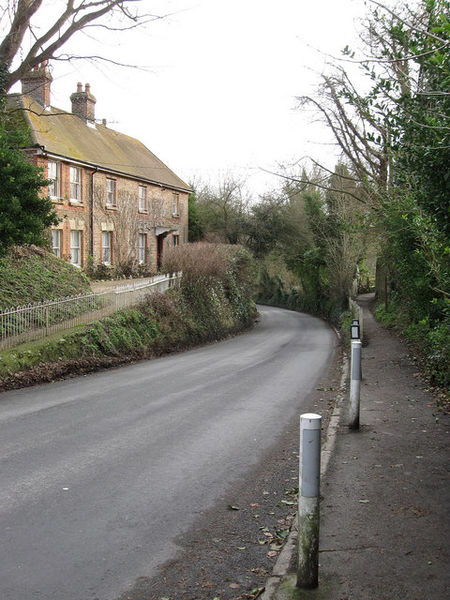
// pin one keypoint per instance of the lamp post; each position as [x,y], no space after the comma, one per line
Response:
[354,330]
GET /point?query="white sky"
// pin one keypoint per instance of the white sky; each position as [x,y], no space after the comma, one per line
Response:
[219,92]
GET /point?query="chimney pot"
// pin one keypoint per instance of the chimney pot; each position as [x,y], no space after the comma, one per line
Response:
[36,83]
[83,103]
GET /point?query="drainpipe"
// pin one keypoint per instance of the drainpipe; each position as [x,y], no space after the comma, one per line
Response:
[92,211]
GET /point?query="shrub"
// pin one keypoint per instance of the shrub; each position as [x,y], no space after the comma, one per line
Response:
[430,339]
[217,284]
[200,262]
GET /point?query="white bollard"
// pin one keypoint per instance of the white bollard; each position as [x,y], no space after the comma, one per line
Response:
[308,501]
[355,384]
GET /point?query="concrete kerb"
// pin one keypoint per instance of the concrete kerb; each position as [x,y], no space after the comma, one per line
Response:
[285,560]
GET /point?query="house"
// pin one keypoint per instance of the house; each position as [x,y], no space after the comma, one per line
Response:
[118,204]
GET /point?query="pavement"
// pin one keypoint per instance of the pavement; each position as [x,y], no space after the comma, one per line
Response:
[385,506]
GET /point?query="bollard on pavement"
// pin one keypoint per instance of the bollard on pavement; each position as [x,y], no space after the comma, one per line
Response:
[355,384]
[308,501]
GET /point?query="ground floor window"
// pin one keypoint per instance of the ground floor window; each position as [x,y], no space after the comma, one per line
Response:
[142,247]
[176,239]
[106,247]
[56,242]
[75,248]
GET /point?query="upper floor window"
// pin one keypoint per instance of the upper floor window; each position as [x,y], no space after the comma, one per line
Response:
[111,192]
[75,184]
[142,198]
[176,204]
[54,174]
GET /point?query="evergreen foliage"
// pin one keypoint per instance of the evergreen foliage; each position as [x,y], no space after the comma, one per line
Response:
[196,231]
[24,213]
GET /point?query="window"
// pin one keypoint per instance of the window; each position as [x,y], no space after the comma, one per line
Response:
[176,240]
[106,247]
[175,206]
[56,242]
[142,198]
[75,248]
[142,247]
[54,174]
[110,192]
[75,184]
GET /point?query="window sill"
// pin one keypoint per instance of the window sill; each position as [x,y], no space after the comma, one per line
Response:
[76,203]
[176,215]
[143,212]
[110,207]
[56,199]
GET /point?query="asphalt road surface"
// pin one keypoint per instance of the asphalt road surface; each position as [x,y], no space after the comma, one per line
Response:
[101,473]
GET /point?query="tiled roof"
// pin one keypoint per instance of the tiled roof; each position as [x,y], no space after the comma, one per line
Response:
[66,135]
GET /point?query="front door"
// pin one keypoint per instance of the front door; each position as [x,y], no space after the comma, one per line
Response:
[160,249]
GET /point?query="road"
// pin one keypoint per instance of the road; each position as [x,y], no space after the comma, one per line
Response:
[101,473]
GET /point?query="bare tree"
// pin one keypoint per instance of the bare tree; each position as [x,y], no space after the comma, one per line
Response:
[126,224]
[125,227]
[19,17]
[361,136]
[396,43]
[223,209]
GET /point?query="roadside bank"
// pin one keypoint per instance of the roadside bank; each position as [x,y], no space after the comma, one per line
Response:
[213,301]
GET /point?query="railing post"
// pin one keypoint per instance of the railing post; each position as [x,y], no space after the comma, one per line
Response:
[46,319]
[355,384]
[308,501]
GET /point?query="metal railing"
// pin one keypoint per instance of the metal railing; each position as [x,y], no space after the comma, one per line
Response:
[34,321]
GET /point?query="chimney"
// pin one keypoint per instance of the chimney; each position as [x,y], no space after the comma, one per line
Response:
[36,83]
[83,103]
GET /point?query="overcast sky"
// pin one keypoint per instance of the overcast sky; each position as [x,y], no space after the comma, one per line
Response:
[218,91]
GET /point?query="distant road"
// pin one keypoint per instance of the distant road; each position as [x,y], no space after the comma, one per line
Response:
[99,474]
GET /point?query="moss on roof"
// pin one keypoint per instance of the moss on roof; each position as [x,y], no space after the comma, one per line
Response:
[66,135]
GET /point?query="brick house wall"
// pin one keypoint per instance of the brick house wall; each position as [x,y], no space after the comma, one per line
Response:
[123,218]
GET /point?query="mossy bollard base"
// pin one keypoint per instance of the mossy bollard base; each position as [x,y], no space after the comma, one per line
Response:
[288,589]
[308,543]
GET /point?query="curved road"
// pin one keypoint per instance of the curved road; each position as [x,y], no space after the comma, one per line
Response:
[100,473]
